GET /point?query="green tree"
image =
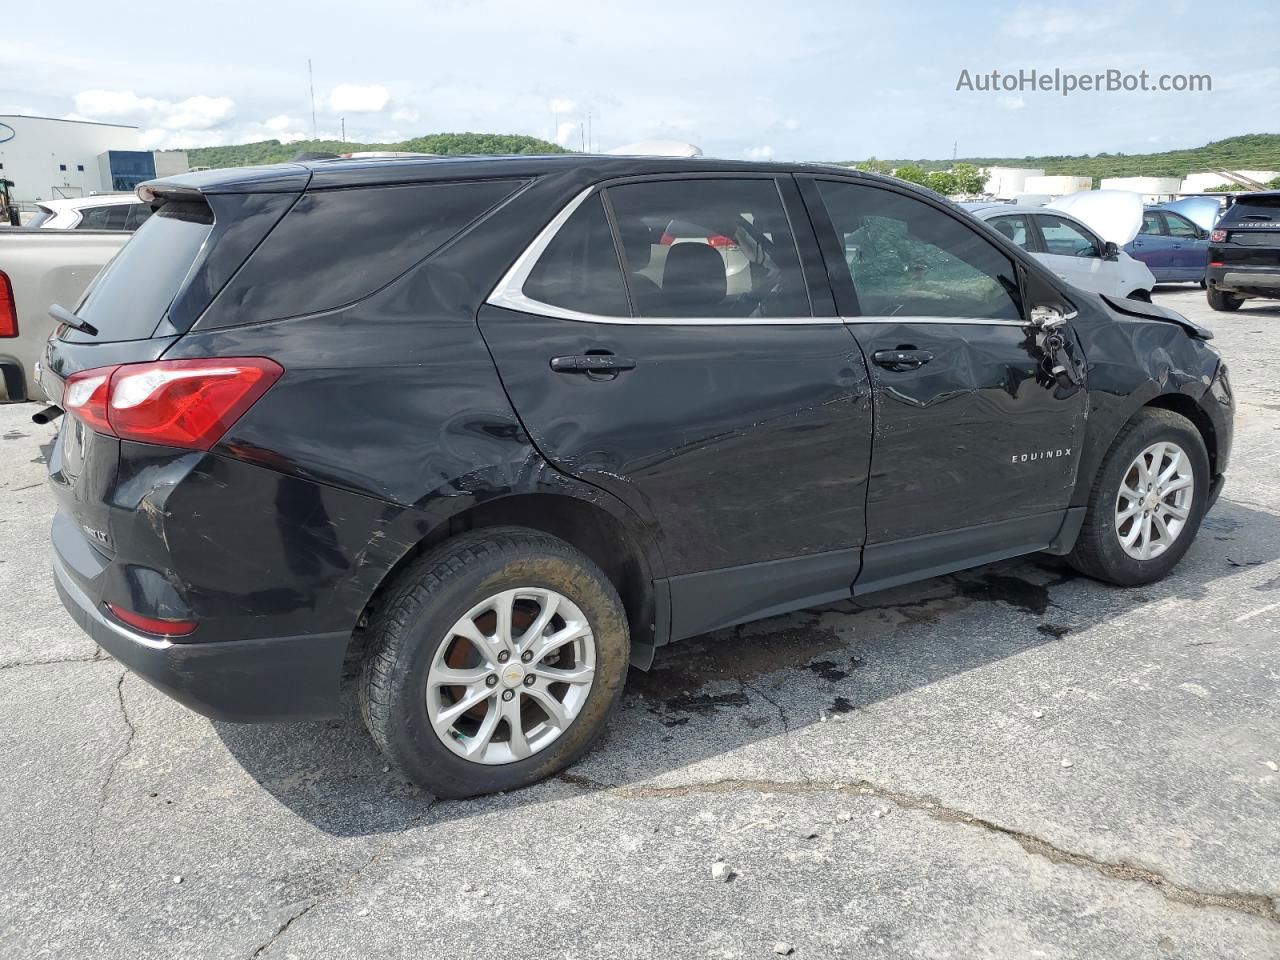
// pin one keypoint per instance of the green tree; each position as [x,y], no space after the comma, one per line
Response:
[968,178]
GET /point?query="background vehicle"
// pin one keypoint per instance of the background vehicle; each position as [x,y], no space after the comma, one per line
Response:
[1244,251]
[1174,248]
[554,467]
[122,211]
[37,268]
[1069,248]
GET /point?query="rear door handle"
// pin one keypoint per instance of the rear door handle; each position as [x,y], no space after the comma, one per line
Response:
[592,363]
[899,360]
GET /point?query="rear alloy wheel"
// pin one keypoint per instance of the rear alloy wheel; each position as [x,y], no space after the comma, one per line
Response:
[1221,300]
[1146,502]
[495,661]
[513,675]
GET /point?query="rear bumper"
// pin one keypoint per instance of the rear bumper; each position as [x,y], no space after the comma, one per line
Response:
[245,681]
[1240,278]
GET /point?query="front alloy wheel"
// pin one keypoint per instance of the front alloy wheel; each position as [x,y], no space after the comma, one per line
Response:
[513,674]
[1154,501]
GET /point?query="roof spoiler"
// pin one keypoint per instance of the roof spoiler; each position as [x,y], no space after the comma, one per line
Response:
[268,178]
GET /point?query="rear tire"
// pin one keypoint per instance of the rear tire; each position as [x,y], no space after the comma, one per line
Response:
[1226,302]
[420,633]
[1100,550]
[1143,295]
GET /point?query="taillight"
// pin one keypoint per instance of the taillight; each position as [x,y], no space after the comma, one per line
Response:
[1217,263]
[719,241]
[173,403]
[1217,236]
[8,310]
[164,628]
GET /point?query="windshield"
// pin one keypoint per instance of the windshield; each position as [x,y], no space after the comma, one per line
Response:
[129,298]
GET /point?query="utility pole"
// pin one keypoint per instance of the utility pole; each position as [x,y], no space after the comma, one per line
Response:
[343,121]
[311,84]
[590,141]
[582,137]
[954,146]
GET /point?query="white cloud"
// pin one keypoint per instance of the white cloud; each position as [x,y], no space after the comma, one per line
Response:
[1041,22]
[560,105]
[359,98]
[405,115]
[764,152]
[193,113]
[1013,103]
[791,124]
[281,122]
[568,135]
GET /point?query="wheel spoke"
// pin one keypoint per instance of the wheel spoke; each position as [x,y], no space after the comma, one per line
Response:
[484,734]
[1128,512]
[1145,549]
[503,607]
[445,676]
[573,630]
[549,601]
[1175,461]
[487,647]
[573,675]
[1130,494]
[1175,511]
[1135,529]
[452,712]
[1175,485]
[1165,536]
[553,708]
[511,712]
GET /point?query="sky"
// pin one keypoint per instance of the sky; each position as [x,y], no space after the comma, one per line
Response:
[812,80]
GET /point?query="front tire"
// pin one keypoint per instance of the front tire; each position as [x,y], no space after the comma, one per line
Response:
[1147,501]
[494,662]
[1226,302]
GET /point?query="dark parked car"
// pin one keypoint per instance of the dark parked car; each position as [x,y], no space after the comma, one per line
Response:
[1244,251]
[475,424]
[1173,247]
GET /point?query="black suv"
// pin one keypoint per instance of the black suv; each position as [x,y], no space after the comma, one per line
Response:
[496,428]
[1244,252]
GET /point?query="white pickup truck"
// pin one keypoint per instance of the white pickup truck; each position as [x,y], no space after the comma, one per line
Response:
[39,268]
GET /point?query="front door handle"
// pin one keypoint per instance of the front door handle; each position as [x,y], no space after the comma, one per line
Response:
[592,363]
[900,360]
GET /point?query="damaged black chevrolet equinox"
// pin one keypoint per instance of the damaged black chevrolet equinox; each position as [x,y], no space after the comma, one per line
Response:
[495,428]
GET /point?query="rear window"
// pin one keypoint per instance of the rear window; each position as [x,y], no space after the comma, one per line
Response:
[1261,209]
[111,216]
[42,214]
[335,247]
[130,296]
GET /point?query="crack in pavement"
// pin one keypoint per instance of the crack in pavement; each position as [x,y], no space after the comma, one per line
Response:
[355,875]
[96,658]
[104,793]
[786,726]
[1252,904]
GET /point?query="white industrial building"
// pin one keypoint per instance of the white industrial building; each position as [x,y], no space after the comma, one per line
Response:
[1153,189]
[47,159]
[1056,184]
[1005,183]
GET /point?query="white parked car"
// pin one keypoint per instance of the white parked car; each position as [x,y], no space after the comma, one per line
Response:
[1076,251]
[110,211]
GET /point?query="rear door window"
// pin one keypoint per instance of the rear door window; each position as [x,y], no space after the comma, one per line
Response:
[709,248]
[580,270]
[130,297]
[138,214]
[1151,224]
[106,217]
[1015,227]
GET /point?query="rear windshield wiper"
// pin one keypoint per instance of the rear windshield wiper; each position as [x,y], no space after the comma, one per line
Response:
[69,319]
